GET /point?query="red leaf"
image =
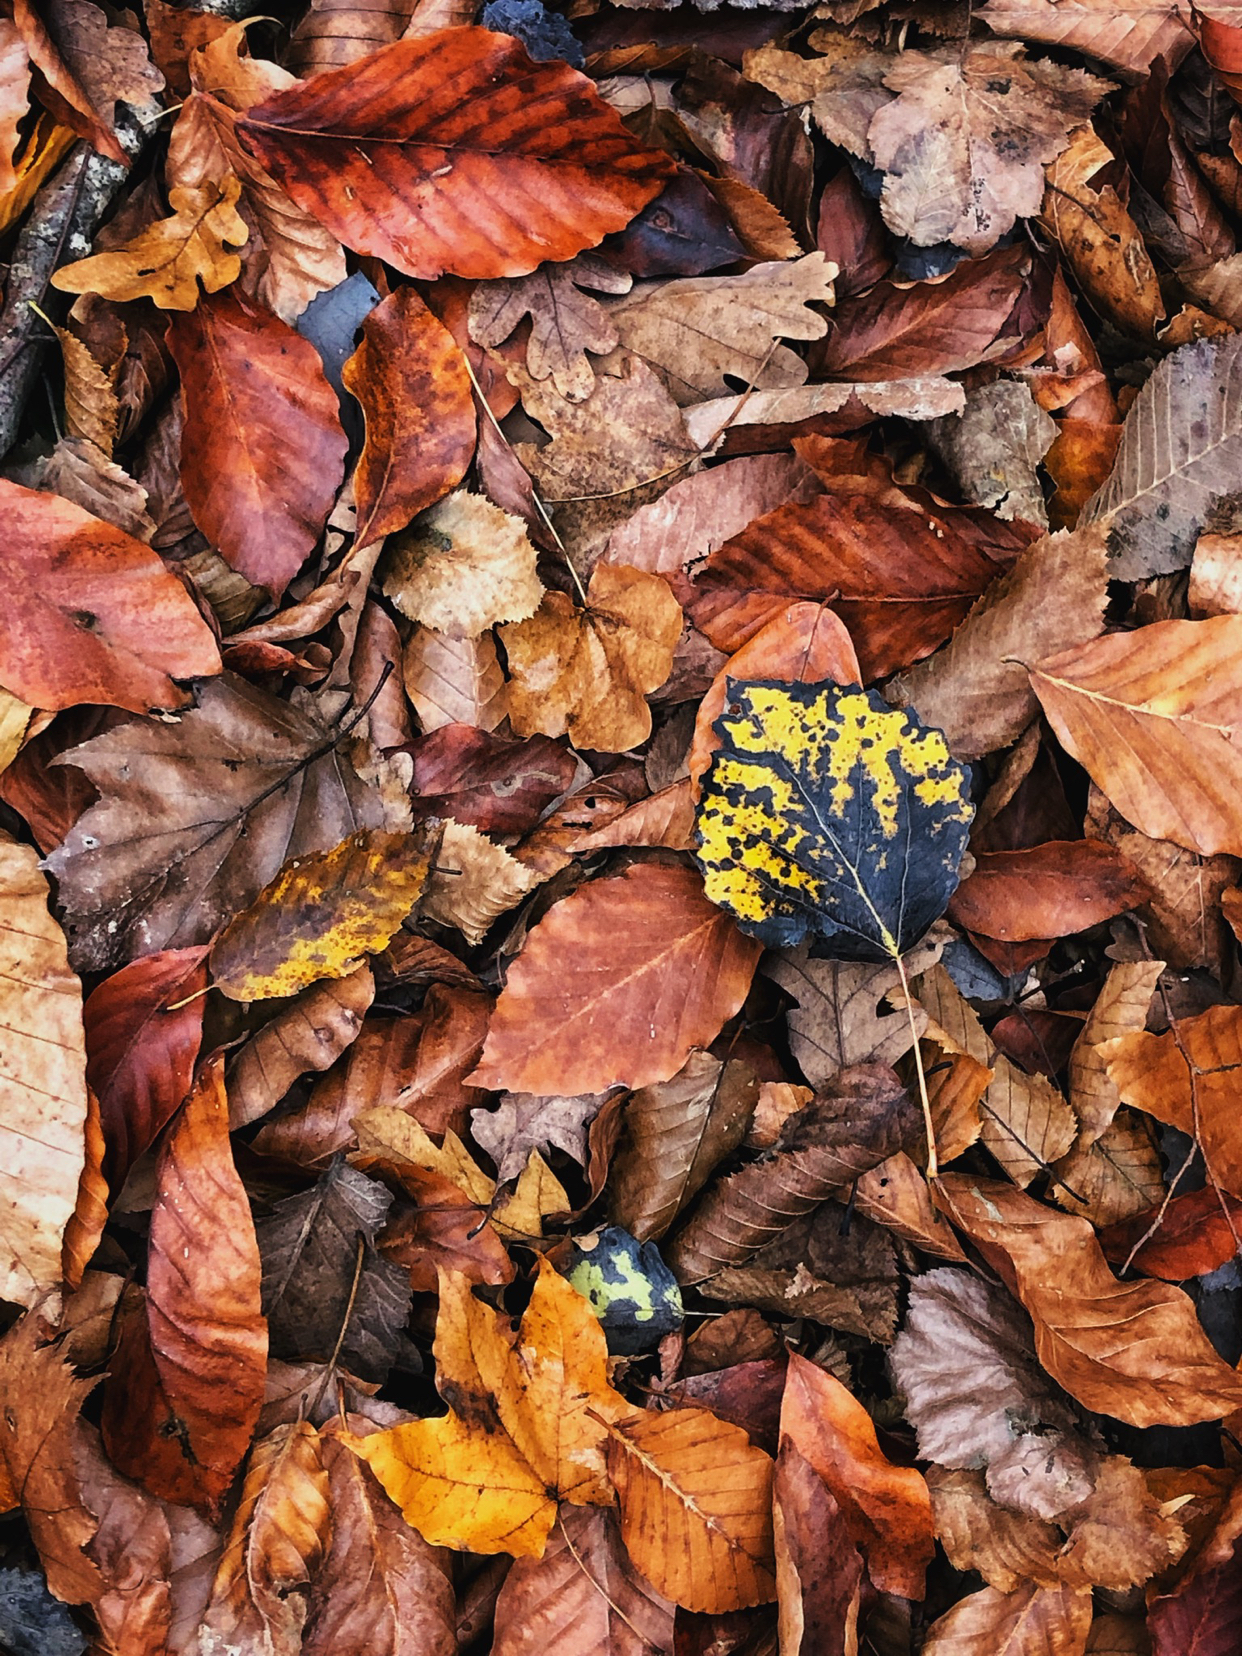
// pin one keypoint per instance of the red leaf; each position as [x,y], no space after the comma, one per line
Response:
[489,782]
[1051,890]
[454,152]
[262,452]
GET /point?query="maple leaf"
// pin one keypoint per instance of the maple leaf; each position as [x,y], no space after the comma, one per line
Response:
[167,261]
[462,567]
[527,1423]
[565,167]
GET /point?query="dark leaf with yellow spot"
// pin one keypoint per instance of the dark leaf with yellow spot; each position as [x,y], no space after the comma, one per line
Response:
[321,914]
[827,813]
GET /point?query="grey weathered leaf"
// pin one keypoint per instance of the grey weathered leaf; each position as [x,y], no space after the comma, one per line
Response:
[523,1122]
[1181,448]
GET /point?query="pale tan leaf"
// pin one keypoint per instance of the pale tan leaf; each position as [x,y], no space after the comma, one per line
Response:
[1119,1174]
[453,680]
[462,566]
[1127,34]
[1030,1621]
[475,881]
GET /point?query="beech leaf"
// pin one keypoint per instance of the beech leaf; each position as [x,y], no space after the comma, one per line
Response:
[462,567]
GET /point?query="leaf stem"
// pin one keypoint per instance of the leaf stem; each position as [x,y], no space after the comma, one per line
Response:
[933,1163]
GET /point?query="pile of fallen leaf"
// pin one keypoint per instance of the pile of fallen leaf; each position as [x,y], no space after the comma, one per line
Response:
[620,828]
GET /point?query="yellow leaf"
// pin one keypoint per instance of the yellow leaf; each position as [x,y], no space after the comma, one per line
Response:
[45,149]
[696,1508]
[387,1137]
[526,1423]
[321,914]
[537,1194]
[589,671]
[166,261]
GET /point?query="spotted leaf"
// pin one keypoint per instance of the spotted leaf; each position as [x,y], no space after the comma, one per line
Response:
[827,813]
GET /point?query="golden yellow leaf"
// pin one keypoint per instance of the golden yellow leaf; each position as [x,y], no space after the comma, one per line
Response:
[526,1423]
[166,261]
[462,566]
[321,914]
[537,1195]
[696,1508]
[43,152]
[15,717]
[588,671]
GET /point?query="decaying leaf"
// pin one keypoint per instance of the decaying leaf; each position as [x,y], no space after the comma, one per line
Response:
[565,324]
[462,567]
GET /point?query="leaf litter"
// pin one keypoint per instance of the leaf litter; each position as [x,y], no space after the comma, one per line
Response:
[620,749]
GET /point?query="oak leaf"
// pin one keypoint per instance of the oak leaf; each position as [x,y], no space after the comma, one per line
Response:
[414,388]
[462,567]
[321,914]
[1164,1370]
[1151,716]
[616,986]
[43,1101]
[696,1507]
[700,332]
[527,1423]
[263,451]
[564,322]
[584,1597]
[167,261]
[226,797]
[565,167]
[275,1546]
[521,1123]
[885,1508]
[92,614]
[143,1029]
[587,672]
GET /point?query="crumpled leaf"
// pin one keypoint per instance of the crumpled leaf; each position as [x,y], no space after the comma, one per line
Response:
[321,914]
[463,566]
[323,1281]
[521,1123]
[565,323]
[475,881]
[1164,1370]
[92,615]
[527,1423]
[426,104]
[616,986]
[43,1086]
[229,827]
[696,1507]
[976,1396]
[827,814]
[702,331]
[586,672]
[1026,1622]
[167,261]
[994,446]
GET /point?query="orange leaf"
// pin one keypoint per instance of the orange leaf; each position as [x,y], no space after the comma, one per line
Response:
[616,985]
[454,152]
[91,615]
[1051,890]
[1132,1350]
[263,453]
[885,1508]
[411,380]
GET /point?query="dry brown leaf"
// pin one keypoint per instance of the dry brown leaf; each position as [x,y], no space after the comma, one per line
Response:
[976,689]
[1163,1370]
[88,65]
[1116,1176]
[454,680]
[307,1035]
[1007,1548]
[1129,35]
[167,261]
[696,1508]
[462,566]
[1030,1621]
[92,408]
[1151,717]
[43,1089]
[587,672]
[564,322]
[475,881]
[81,472]
[994,446]
[521,1123]
[1120,1009]
[701,332]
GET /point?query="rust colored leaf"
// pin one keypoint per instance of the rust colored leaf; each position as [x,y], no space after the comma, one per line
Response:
[696,1508]
[262,452]
[140,1051]
[92,615]
[1051,890]
[1151,716]
[411,380]
[43,1102]
[818,1568]
[616,985]
[308,1035]
[1194,1236]
[1161,1370]
[86,65]
[488,782]
[276,1543]
[208,1336]
[584,1597]
[885,1508]
[454,152]
[901,578]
